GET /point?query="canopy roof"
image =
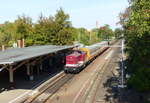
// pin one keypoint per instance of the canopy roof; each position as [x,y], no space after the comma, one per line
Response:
[20,54]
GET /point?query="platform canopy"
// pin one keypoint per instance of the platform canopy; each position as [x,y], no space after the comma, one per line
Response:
[20,54]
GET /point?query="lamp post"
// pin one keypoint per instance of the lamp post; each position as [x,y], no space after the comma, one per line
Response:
[122,65]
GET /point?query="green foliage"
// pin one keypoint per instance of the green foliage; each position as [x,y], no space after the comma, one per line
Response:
[105,32]
[56,30]
[63,29]
[141,79]
[30,42]
[118,32]
[87,37]
[137,35]
[24,27]
[10,43]
[83,36]
[7,33]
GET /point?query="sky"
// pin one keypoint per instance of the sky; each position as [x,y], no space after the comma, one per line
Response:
[83,13]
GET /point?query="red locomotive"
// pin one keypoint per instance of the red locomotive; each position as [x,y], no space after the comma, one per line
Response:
[79,58]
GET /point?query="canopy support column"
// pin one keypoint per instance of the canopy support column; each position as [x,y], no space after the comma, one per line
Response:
[38,71]
[31,76]
[28,69]
[11,75]
[41,66]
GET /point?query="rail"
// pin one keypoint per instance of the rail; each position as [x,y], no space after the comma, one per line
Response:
[48,89]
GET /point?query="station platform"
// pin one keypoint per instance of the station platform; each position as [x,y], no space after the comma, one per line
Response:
[18,65]
[12,95]
[29,57]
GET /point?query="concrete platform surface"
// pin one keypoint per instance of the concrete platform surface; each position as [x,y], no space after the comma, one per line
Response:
[10,96]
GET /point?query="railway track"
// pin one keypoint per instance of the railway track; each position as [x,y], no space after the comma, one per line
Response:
[89,94]
[92,93]
[48,89]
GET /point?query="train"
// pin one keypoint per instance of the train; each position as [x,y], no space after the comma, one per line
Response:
[79,58]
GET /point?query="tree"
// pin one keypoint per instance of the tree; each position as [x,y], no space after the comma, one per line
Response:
[24,26]
[44,30]
[137,34]
[118,32]
[124,17]
[105,32]
[8,33]
[63,28]
[84,36]
[55,30]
